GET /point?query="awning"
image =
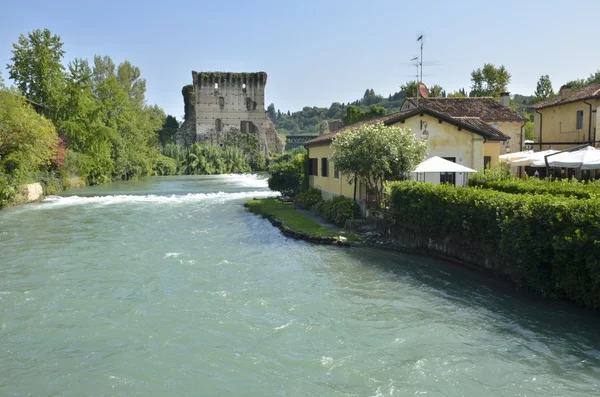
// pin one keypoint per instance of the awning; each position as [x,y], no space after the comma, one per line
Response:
[510,157]
[587,158]
[438,164]
[532,158]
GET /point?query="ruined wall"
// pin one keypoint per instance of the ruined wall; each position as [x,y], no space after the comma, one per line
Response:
[186,135]
[230,102]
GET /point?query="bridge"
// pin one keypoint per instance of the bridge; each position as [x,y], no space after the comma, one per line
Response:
[292,141]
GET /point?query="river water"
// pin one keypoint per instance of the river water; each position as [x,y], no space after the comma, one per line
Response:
[168,287]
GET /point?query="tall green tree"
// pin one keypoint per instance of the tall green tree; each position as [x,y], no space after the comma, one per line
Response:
[489,81]
[36,68]
[168,131]
[409,89]
[436,91]
[271,112]
[28,140]
[543,89]
[375,153]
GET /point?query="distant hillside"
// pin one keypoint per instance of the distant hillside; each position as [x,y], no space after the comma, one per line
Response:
[308,120]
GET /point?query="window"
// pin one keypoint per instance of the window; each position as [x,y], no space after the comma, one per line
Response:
[216,86]
[487,160]
[313,167]
[221,102]
[336,172]
[218,125]
[324,167]
[580,119]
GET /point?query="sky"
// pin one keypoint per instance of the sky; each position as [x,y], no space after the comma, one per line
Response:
[316,52]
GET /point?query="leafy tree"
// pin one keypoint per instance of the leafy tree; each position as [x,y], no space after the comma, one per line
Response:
[409,89]
[376,153]
[543,89]
[36,68]
[353,114]
[436,91]
[1,81]
[528,130]
[458,94]
[289,177]
[575,84]
[168,132]
[489,81]
[271,112]
[28,141]
[594,77]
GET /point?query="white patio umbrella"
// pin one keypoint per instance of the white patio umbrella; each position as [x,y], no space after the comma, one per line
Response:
[438,164]
[587,156]
[510,157]
[532,159]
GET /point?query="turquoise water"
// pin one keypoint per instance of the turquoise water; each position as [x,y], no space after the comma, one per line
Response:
[167,287]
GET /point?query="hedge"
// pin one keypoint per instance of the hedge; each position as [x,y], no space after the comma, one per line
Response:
[338,210]
[550,244]
[583,190]
[308,198]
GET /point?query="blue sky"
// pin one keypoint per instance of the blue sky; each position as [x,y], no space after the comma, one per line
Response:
[317,52]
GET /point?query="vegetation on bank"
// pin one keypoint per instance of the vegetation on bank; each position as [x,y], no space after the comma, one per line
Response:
[89,120]
[548,243]
[296,221]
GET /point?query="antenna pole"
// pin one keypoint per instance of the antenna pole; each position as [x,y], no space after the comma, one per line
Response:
[421,80]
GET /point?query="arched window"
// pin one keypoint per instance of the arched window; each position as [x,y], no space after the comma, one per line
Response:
[218,125]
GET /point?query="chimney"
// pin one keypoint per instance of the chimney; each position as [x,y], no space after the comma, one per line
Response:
[566,91]
[505,99]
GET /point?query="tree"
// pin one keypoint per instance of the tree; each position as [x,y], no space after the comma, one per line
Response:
[272,113]
[36,67]
[436,91]
[594,77]
[489,81]
[376,153]
[544,89]
[528,130]
[409,89]
[168,131]
[458,94]
[1,81]
[289,177]
[353,114]
[28,141]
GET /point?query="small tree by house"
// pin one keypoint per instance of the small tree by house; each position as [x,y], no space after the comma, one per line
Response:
[376,153]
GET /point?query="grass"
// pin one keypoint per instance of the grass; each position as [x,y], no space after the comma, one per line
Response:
[293,219]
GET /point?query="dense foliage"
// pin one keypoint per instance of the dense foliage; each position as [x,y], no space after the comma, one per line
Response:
[338,210]
[289,176]
[199,159]
[308,198]
[563,187]
[376,153]
[547,243]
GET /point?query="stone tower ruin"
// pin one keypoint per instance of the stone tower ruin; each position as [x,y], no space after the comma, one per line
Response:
[225,103]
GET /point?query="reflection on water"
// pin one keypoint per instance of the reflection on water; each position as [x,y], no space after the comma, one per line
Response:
[168,287]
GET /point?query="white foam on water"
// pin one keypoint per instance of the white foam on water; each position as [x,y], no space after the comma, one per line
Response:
[247,180]
[57,201]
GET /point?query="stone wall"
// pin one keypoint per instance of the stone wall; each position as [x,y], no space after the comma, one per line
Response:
[382,230]
[225,103]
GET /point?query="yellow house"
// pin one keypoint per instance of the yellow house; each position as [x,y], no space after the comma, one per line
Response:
[495,113]
[569,119]
[468,141]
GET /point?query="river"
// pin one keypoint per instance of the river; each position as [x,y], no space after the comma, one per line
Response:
[168,287]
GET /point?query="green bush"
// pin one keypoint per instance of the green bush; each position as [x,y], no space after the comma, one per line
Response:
[338,210]
[563,187]
[308,198]
[289,177]
[494,173]
[8,190]
[551,244]
[165,166]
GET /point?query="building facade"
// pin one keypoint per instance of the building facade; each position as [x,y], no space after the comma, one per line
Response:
[495,113]
[469,142]
[567,120]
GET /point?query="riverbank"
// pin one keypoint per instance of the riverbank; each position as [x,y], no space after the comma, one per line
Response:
[299,225]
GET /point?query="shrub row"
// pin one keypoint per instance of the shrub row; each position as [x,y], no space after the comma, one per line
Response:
[308,198]
[550,244]
[338,210]
[571,188]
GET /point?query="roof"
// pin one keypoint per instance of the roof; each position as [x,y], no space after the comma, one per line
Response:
[591,91]
[487,109]
[438,164]
[472,124]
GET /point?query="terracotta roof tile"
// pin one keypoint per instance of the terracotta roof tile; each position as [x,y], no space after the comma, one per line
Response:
[487,109]
[474,124]
[591,91]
